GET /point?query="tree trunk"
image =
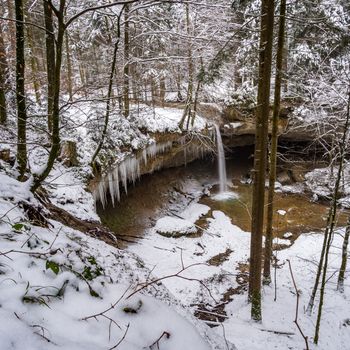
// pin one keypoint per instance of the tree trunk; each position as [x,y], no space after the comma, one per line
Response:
[259,172]
[3,78]
[69,69]
[34,65]
[126,62]
[110,91]
[39,178]
[274,142]
[50,61]
[188,107]
[341,277]
[162,89]
[20,93]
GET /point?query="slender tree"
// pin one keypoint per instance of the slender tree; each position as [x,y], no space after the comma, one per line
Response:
[69,68]
[3,78]
[331,225]
[20,92]
[188,106]
[126,89]
[110,90]
[34,66]
[341,276]
[260,155]
[39,178]
[50,60]
[274,142]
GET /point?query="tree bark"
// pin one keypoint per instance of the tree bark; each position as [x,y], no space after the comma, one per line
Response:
[274,143]
[3,78]
[189,99]
[69,69]
[110,91]
[39,178]
[34,66]
[341,276]
[126,62]
[50,61]
[259,172]
[20,93]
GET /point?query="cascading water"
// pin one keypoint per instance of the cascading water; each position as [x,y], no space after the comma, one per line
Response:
[221,161]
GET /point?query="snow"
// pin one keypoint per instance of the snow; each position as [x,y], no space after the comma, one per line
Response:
[174,227]
[224,196]
[288,235]
[321,182]
[168,256]
[166,119]
[45,308]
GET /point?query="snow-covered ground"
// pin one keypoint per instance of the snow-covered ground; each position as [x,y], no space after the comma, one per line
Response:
[54,280]
[169,256]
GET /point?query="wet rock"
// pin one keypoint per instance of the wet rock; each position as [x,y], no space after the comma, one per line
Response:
[284,178]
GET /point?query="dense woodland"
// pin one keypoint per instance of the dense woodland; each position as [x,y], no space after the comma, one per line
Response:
[97,95]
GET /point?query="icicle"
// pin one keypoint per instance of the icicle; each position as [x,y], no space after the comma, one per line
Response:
[111,186]
[152,150]
[102,193]
[144,155]
[123,175]
[116,182]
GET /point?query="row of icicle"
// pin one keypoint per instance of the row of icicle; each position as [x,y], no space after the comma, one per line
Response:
[129,169]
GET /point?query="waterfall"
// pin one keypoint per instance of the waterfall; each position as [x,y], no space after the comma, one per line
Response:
[221,160]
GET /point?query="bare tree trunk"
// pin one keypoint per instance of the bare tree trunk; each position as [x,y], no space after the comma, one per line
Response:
[50,61]
[3,78]
[34,66]
[341,277]
[274,142]
[188,106]
[20,93]
[12,29]
[69,69]
[259,172]
[110,90]
[162,89]
[126,62]
[331,226]
[39,178]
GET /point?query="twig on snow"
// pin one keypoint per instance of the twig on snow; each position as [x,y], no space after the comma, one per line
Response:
[297,307]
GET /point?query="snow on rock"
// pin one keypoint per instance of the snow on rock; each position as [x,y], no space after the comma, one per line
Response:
[288,235]
[194,211]
[174,227]
[166,120]
[321,183]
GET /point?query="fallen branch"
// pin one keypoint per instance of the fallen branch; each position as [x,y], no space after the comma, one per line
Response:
[277,332]
[122,338]
[297,307]
[177,274]
[166,334]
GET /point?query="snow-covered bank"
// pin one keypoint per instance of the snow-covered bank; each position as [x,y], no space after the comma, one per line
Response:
[54,280]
